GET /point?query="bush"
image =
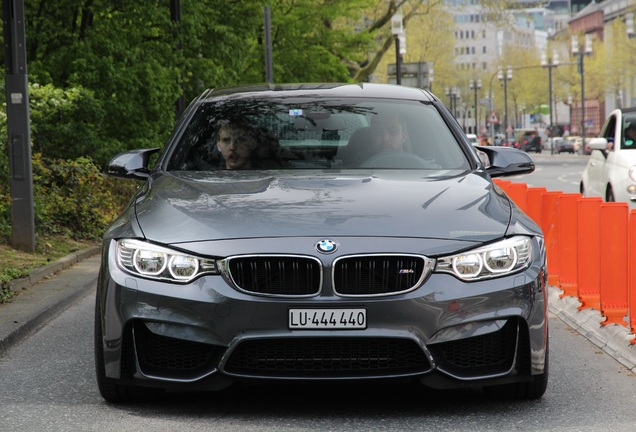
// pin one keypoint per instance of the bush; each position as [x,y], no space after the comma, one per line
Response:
[73,198]
[67,123]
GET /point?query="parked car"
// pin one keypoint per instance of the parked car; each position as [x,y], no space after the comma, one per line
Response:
[611,169]
[554,143]
[472,138]
[322,259]
[499,139]
[577,144]
[565,145]
[530,142]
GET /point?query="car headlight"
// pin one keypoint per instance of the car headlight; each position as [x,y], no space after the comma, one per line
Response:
[495,260]
[157,262]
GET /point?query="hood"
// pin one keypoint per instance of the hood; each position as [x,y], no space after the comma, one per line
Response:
[187,207]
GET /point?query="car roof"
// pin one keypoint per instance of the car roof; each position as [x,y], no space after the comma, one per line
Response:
[364,90]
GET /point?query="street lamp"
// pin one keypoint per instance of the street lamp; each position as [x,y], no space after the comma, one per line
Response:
[397,29]
[475,85]
[505,78]
[449,93]
[550,63]
[456,94]
[453,95]
[582,51]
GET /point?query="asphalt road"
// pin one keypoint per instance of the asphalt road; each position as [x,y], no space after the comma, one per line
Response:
[47,381]
[48,384]
[559,172]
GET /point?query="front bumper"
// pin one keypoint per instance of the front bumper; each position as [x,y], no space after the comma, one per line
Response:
[446,332]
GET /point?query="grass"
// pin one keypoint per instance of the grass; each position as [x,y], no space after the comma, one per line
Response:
[15,264]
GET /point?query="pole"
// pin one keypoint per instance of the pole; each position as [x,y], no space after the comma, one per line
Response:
[18,126]
[475,112]
[269,69]
[550,92]
[582,54]
[398,61]
[175,15]
[505,80]
[491,107]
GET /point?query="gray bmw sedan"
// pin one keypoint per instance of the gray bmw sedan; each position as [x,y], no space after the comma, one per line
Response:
[320,233]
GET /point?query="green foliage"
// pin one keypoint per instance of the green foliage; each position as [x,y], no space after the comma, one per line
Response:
[66,123]
[108,73]
[74,199]
[5,295]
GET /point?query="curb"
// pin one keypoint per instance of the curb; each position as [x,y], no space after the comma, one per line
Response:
[41,273]
[613,339]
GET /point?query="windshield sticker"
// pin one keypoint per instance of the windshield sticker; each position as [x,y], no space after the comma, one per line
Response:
[295,112]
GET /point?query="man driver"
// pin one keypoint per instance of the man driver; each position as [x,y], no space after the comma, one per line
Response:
[236,142]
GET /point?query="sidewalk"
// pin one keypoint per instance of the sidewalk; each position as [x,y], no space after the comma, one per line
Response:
[48,291]
[45,293]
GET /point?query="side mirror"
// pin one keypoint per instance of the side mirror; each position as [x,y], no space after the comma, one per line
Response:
[131,164]
[598,144]
[507,161]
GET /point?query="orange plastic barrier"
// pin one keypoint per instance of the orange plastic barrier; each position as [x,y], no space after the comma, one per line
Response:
[567,240]
[550,229]
[502,184]
[518,193]
[631,301]
[589,245]
[533,203]
[614,262]
[589,252]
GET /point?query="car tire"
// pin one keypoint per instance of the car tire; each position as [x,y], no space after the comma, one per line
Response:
[533,389]
[108,387]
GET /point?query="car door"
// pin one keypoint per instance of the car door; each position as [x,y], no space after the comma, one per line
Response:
[621,158]
[597,171]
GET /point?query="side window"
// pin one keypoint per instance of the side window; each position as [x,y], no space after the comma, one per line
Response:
[609,132]
[610,128]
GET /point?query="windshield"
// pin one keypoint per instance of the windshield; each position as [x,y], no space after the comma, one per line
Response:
[299,133]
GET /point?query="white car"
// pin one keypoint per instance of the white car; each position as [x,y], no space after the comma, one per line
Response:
[611,170]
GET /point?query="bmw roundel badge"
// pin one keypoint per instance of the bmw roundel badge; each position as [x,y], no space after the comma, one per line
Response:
[326,246]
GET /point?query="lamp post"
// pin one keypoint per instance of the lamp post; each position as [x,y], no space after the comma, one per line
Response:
[569,102]
[505,78]
[449,93]
[453,95]
[456,95]
[397,29]
[475,85]
[582,51]
[550,63]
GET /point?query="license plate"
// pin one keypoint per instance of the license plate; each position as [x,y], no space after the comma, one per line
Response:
[327,318]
